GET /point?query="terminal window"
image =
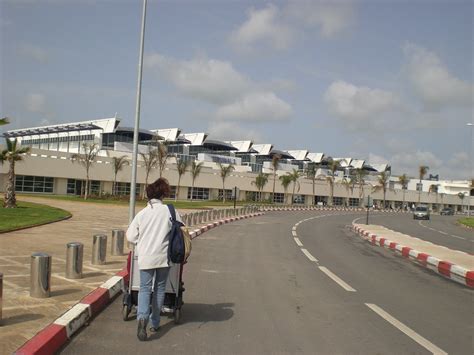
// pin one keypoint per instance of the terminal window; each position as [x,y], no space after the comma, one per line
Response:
[199,193]
[278,198]
[25,183]
[228,194]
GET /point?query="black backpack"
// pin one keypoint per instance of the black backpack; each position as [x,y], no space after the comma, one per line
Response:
[176,248]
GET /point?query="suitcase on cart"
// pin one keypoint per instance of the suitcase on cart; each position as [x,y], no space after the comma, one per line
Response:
[173,291]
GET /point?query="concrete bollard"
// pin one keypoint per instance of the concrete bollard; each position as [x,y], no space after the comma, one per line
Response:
[195,218]
[74,255]
[204,217]
[118,237]
[99,249]
[40,275]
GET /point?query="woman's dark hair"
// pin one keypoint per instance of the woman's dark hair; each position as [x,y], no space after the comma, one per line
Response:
[159,189]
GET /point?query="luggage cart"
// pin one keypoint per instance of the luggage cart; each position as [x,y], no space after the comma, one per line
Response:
[173,292]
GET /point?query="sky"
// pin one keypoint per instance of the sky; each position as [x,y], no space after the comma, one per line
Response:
[384,81]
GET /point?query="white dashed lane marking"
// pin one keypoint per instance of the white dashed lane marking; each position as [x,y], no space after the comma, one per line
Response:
[406,330]
[309,256]
[298,242]
[336,279]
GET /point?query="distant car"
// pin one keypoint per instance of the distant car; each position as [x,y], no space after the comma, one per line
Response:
[421,212]
[447,212]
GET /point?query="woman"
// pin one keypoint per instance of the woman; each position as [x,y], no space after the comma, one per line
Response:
[149,231]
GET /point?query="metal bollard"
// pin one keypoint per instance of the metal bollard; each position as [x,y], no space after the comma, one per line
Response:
[99,249]
[40,275]
[118,237]
[74,254]
[1,296]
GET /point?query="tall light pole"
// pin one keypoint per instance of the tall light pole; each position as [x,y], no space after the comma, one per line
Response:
[133,186]
[471,157]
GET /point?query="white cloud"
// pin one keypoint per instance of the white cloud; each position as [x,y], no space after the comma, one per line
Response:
[35,103]
[206,79]
[263,25]
[217,82]
[279,27]
[33,52]
[409,162]
[232,131]
[257,106]
[433,82]
[331,17]
[356,105]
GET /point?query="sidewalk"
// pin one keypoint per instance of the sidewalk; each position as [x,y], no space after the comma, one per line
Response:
[453,264]
[24,316]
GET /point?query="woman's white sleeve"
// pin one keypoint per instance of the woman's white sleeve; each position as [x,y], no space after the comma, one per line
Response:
[133,231]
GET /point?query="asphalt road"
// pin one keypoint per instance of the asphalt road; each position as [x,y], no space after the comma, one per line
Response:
[251,289]
[440,230]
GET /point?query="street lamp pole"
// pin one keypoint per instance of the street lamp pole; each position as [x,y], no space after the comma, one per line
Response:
[133,187]
[472,173]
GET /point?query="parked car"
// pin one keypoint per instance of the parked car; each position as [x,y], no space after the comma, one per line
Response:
[421,212]
[447,212]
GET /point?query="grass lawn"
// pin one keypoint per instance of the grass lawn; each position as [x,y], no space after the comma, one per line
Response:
[468,221]
[178,204]
[29,214]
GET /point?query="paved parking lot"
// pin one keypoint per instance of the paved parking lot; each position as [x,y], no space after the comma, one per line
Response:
[24,316]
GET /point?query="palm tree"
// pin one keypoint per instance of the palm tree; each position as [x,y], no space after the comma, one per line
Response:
[360,175]
[4,121]
[12,154]
[225,171]
[275,163]
[461,195]
[150,160]
[434,188]
[260,182]
[86,159]
[311,174]
[118,164]
[349,184]
[422,170]
[333,166]
[403,179]
[382,181]
[195,171]
[285,182]
[162,156]
[182,166]
[294,175]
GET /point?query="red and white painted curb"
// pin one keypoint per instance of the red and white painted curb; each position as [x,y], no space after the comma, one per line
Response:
[50,339]
[445,268]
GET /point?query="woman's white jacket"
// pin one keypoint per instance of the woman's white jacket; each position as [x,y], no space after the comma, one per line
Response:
[149,231]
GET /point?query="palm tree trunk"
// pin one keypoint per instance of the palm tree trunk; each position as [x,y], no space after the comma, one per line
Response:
[314,193]
[192,190]
[87,185]
[177,189]
[273,191]
[332,192]
[223,192]
[419,193]
[293,193]
[403,204]
[114,187]
[10,198]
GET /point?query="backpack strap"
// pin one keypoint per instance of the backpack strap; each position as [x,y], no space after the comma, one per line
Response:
[172,212]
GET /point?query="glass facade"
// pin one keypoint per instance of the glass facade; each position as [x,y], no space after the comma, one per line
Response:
[199,193]
[228,194]
[123,188]
[299,199]
[338,201]
[54,143]
[26,183]
[278,198]
[76,187]
[252,196]
[353,202]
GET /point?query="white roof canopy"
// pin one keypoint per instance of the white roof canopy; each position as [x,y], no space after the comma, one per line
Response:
[195,138]
[299,154]
[242,146]
[315,157]
[263,149]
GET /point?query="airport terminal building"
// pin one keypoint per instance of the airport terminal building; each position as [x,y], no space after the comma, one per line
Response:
[50,168]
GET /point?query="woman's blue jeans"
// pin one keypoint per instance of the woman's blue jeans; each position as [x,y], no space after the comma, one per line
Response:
[147,286]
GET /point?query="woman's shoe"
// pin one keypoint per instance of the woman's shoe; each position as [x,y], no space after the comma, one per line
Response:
[141,331]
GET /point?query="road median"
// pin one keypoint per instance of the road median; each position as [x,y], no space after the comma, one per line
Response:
[455,265]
